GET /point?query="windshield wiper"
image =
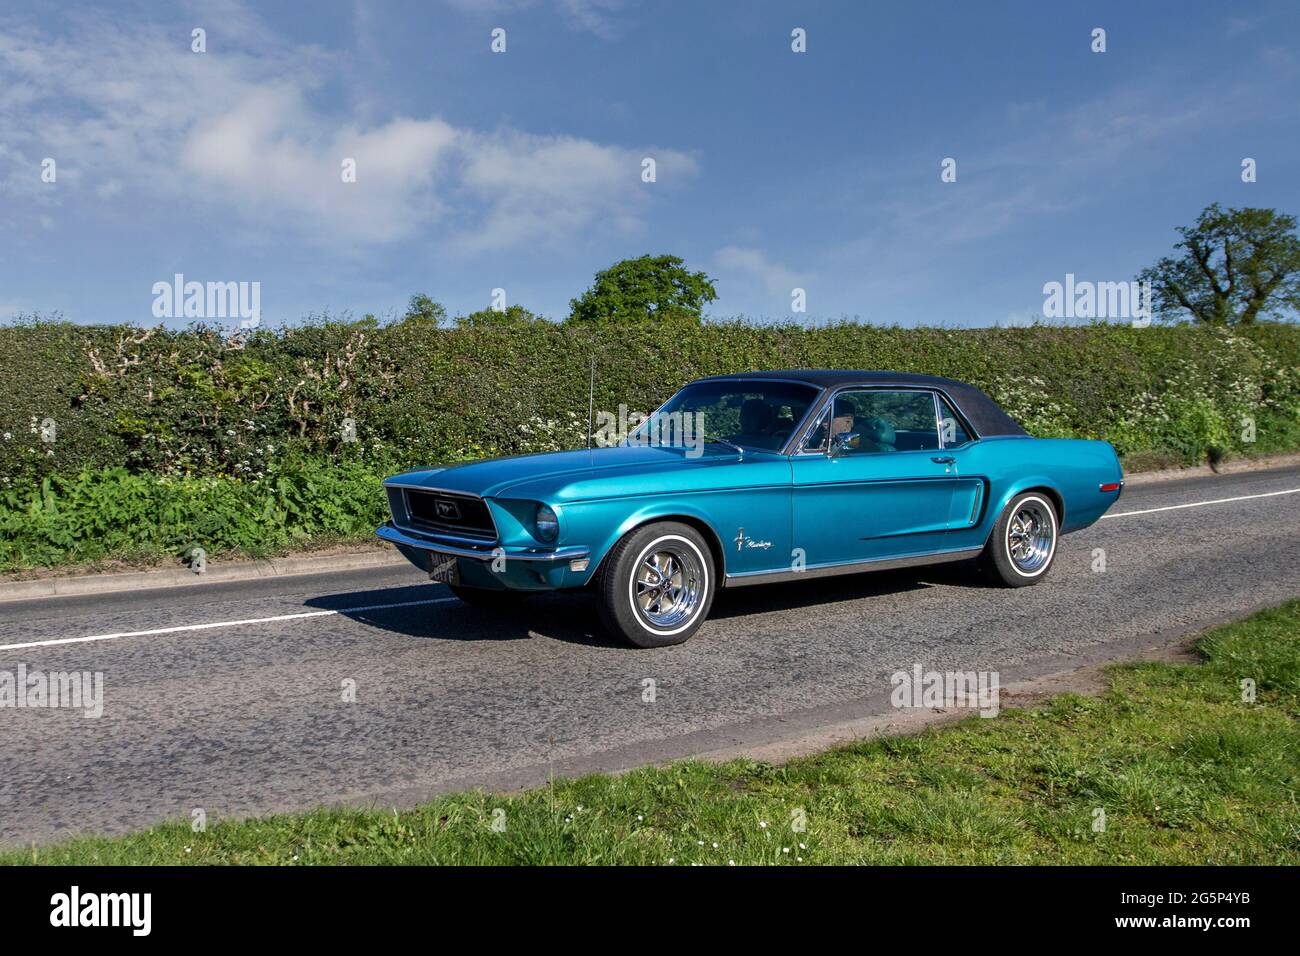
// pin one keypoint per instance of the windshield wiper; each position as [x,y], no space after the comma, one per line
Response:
[726,441]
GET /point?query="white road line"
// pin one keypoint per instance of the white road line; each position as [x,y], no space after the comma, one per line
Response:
[384,607]
[1199,504]
[206,627]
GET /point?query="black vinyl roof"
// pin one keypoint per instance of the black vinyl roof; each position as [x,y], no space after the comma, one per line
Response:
[984,414]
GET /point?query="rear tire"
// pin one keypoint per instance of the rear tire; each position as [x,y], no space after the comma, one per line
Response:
[656,585]
[1022,547]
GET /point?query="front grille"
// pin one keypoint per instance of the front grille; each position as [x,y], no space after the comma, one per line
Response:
[454,514]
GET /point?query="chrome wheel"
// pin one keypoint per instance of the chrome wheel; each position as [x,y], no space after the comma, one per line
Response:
[1031,536]
[668,584]
[655,586]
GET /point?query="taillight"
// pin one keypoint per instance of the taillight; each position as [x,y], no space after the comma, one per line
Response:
[1111,486]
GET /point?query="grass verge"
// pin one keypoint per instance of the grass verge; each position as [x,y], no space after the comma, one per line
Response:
[1185,770]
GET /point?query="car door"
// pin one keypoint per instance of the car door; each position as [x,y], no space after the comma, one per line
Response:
[886,492]
[956,437]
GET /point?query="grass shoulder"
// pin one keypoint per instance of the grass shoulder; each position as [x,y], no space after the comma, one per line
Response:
[1180,763]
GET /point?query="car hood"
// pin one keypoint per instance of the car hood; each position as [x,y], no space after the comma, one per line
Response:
[589,473]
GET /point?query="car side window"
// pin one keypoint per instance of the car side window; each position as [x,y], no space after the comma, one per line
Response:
[817,437]
[954,433]
[885,421]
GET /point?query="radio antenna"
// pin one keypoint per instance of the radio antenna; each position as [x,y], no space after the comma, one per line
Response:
[591,399]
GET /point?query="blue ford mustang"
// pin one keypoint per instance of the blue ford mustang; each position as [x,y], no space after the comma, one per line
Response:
[751,479]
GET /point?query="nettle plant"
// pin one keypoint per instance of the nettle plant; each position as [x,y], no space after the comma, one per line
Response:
[1206,407]
[30,446]
[539,434]
[1029,401]
[200,402]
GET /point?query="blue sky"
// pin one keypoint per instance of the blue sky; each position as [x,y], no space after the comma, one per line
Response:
[522,170]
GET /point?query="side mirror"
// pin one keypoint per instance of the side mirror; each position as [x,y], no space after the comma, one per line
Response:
[842,443]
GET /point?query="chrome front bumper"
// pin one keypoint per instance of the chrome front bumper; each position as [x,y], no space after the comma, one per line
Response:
[484,552]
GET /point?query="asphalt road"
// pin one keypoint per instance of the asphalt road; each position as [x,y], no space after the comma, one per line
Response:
[242,718]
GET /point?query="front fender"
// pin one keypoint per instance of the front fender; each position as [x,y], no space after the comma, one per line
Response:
[600,525]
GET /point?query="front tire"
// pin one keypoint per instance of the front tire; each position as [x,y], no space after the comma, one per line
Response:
[1022,547]
[657,585]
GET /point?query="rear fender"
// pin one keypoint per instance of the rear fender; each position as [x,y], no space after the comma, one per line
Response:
[1078,470]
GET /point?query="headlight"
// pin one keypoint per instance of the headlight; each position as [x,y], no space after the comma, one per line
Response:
[547,524]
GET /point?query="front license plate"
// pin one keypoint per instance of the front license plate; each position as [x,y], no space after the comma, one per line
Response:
[443,570]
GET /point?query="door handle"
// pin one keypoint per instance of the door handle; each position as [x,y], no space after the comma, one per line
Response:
[944,460]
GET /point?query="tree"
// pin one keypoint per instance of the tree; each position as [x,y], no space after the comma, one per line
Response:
[648,287]
[1236,266]
[512,317]
[424,309]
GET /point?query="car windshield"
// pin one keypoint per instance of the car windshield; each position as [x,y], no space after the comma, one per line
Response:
[749,414]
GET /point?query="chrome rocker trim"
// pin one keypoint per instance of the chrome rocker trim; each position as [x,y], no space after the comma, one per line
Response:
[748,578]
[486,553]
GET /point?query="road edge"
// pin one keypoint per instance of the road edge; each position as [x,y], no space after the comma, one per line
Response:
[1234,467]
[82,584]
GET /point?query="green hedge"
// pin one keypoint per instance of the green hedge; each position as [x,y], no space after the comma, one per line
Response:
[111,513]
[205,429]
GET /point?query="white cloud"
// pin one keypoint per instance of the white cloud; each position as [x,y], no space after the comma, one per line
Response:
[1048,169]
[1239,25]
[267,155]
[1023,109]
[550,186]
[1020,318]
[130,112]
[597,16]
[752,266]
[594,16]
